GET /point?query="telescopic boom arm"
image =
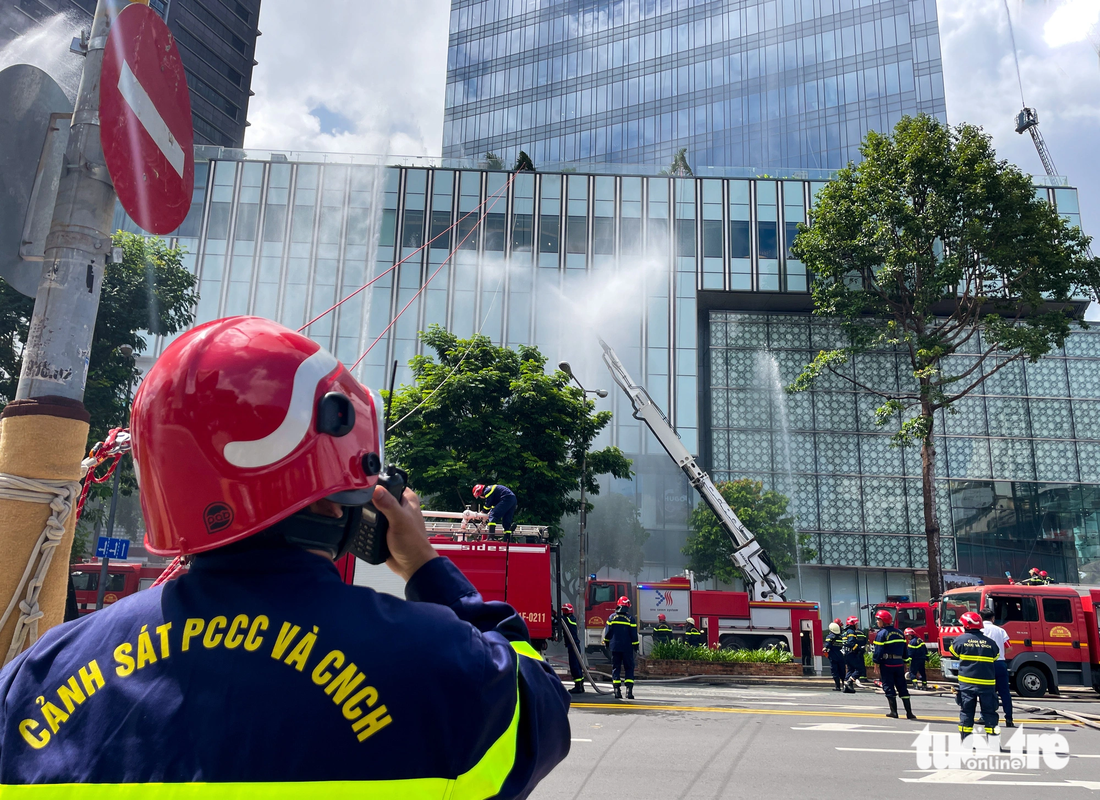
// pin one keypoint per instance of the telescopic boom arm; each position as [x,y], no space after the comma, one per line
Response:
[756,566]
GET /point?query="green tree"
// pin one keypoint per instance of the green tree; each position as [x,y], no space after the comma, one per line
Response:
[932,247]
[615,539]
[679,165]
[709,548]
[150,292]
[479,413]
[523,163]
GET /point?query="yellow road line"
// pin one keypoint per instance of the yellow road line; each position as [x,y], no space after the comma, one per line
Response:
[786,713]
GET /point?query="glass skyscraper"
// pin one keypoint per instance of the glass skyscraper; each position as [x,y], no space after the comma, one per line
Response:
[763,84]
[692,282]
[217,43]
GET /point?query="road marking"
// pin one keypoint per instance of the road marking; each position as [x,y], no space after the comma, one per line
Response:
[962,776]
[910,751]
[580,740]
[847,727]
[146,112]
[783,713]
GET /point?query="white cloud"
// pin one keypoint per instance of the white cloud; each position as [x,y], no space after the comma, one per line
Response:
[1061,83]
[1071,22]
[382,65]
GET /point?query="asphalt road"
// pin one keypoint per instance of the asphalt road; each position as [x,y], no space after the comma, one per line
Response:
[682,740]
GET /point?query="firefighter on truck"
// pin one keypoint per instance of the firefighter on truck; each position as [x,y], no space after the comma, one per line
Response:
[256,451]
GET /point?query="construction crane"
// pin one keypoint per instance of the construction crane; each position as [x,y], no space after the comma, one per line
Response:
[1028,118]
[760,573]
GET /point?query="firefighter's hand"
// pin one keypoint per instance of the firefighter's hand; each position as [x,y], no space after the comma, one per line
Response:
[407,537]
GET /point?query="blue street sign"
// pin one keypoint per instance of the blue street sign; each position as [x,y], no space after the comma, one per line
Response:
[112,548]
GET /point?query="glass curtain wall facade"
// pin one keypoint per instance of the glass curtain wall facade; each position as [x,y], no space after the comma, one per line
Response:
[669,271]
[756,83]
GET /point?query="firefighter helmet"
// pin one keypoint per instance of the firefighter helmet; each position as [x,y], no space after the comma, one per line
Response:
[624,601]
[853,621]
[479,491]
[834,627]
[1043,573]
[884,616]
[1033,571]
[909,632]
[691,620]
[242,423]
[971,621]
[660,617]
[567,608]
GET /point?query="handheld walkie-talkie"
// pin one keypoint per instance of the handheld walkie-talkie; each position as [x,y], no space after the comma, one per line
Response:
[369,542]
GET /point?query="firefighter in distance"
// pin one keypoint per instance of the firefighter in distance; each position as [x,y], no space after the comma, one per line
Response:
[977,654]
[916,655]
[855,645]
[834,649]
[662,633]
[502,504]
[575,671]
[257,451]
[889,654]
[693,637]
[621,638]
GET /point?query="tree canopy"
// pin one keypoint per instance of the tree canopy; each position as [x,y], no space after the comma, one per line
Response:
[479,413]
[709,548]
[933,250]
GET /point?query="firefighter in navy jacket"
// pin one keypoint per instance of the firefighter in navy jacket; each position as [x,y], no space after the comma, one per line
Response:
[916,653]
[502,505]
[977,654]
[834,649]
[889,654]
[621,638]
[575,671]
[256,450]
[855,645]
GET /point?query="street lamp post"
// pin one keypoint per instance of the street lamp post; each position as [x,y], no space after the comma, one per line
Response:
[127,351]
[564,367]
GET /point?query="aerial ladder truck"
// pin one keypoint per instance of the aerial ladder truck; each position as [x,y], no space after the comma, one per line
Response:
[761,576]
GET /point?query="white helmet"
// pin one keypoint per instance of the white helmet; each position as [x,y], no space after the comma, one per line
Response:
[834,628]
[691,620]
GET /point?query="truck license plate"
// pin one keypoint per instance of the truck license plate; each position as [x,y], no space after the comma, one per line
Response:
[951,664]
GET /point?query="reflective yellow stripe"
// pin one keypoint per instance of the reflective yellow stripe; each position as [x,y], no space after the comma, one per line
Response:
[979,681]
[485,779]
[990,659]
[525,649]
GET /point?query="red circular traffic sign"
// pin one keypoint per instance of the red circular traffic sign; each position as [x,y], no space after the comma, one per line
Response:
[145,120]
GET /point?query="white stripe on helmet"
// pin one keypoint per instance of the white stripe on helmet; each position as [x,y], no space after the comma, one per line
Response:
[281,442]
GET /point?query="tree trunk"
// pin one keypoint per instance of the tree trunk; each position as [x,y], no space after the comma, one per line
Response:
[931,521]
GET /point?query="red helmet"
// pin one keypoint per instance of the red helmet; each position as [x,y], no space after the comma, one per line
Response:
[660,617]
[624,600]
[1034,571]
[971,621]
[884,616]
[837,620]
[1043,573]
[852,621]
[909,632]
[567,608]
[241,423]
[479,490]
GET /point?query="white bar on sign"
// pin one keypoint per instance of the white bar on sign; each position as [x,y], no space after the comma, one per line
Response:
[146,112]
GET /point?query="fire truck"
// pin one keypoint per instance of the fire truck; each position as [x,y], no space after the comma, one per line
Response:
[730,619]
[759,617]
[522,569]
[1054,639]
[921,617]
[123,578]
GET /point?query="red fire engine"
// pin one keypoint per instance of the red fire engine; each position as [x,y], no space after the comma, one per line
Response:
[123,579]
[730,619]
[921,617]
[1054,640]
[518,570]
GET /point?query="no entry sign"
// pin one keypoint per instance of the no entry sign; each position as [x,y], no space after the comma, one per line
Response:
[145,120]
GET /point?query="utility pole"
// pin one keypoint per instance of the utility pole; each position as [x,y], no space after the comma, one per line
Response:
[45,429]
